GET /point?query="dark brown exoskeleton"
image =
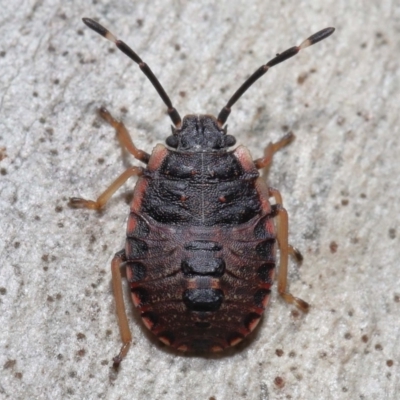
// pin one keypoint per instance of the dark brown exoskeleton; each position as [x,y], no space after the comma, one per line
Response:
[200,251]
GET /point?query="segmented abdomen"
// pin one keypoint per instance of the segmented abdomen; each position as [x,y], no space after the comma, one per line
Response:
[200,279]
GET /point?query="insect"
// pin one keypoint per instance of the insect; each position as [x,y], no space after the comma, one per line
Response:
[201,242]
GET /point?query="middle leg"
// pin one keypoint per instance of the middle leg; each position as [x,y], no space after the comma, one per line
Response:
[285,249]
[77,202]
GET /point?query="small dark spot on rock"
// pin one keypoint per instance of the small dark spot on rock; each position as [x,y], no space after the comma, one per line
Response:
[9,364]
[378,347]
[35,94]
[139,22]
[364,338]
[81,352]
[363,196]
[344,389]
[58,296]
[42,120]
[3,171]
[60,357]
[3,291]
[285,128]
[392,233]
[340,120]
[17,245]
[50,299]
[396,298]
[333,246]
[45,257]
[56,81]
[182,93]
[177,47]
[2,53]
[389,363]
[128,197]
[37,218]
[295,314]
[80,336]
[345,202]
[58,209]
[292,354]
[347,336]
[108,332]
[279,352]
[79,32]
[104,362]
[302,77]
[279,382]
[72,374]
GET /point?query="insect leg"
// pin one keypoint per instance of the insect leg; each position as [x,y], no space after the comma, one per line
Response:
[271,149]
[124,136]
[77,202]
[285,249]
[126,335]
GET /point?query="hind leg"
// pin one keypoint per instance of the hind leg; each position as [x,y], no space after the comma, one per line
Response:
[125,332]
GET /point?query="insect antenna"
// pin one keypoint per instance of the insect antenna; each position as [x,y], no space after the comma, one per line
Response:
[317,37]
[172,112]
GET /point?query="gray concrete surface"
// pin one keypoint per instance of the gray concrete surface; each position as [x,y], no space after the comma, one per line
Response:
[339,180]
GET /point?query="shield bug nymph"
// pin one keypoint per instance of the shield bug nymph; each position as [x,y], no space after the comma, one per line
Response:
[201,242]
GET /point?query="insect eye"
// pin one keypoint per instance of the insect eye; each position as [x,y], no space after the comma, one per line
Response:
[229,140]
[172,141]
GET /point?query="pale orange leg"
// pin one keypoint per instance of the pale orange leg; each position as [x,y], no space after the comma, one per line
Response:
[124,137]
[77,202]
[125,332]
[285,249]
[271,149]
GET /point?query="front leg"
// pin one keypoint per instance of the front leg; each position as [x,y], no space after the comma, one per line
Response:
[271,149]
[123,136]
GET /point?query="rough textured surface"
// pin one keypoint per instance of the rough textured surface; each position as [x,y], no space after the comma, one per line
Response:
[339,180]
